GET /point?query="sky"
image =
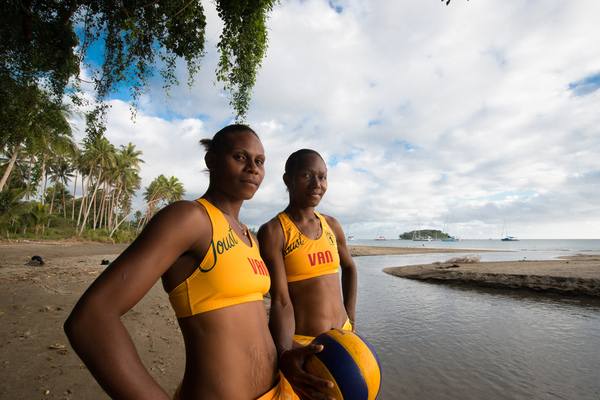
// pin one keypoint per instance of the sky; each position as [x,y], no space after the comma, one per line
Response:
[477,115]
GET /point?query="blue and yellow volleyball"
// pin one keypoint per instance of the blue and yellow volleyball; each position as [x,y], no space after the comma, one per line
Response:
[349,362]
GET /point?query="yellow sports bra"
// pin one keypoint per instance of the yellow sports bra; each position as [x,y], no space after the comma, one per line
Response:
[231,272]
[306,258]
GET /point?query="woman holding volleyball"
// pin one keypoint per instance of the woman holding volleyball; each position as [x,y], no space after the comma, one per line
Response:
[304,251]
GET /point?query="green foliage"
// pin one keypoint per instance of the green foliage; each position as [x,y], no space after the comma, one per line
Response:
[243,45]
[11,206]
[39,215]
[424,233]
[45,41]
[37,42]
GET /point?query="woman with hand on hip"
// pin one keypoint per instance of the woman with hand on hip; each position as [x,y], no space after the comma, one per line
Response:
[304,251]
[211,267]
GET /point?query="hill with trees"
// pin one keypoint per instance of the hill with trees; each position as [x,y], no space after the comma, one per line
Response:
[424,233]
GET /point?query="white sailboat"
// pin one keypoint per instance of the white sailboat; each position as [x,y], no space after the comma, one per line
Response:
[417,237]
[446,230]
[507,238]
[380,238]
[350,237]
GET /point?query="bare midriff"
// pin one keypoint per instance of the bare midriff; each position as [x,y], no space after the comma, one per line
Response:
[230,353]
[318,304]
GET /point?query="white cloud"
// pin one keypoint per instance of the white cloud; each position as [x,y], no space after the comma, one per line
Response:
[422,111]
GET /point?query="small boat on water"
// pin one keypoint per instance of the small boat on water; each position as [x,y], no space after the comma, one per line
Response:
[350,238]
[381,238]
[422,239]
[507,238]
[417,236]
[451,239]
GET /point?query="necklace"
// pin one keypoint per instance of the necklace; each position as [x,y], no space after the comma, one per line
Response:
[232,217]
[295,223]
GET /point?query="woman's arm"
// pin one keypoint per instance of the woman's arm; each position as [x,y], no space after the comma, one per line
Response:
[281,320]
[349,274]
[95,329]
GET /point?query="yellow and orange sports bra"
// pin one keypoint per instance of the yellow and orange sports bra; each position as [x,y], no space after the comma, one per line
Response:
[231,272]
[306,258]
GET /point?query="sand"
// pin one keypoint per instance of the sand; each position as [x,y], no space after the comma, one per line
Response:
[38,363]
[575,275]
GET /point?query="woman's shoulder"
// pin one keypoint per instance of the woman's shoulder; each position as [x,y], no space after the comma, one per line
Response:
[271,224]
[180,214]
[270,230]
[186,206]
[330,220]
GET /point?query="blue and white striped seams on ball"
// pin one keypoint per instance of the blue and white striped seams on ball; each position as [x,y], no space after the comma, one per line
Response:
[349,362]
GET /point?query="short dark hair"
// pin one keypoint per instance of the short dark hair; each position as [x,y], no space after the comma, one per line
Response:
[215,145]
[294,160]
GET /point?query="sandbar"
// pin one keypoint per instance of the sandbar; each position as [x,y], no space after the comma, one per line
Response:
[577,275]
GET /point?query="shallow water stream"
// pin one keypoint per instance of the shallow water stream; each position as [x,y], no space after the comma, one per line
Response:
[455,342]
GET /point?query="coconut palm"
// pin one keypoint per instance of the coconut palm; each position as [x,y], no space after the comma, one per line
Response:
[174,189]
[42,118]
[133,155]
[161,190]
[17,177]
[100,154]
[61,173]
[123,174]
[48,149]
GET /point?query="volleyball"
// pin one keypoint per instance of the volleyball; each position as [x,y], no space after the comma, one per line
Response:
[349,362]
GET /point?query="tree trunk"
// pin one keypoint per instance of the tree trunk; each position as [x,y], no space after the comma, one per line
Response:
[130,214]
[74,197]
[9,168]
[92,201]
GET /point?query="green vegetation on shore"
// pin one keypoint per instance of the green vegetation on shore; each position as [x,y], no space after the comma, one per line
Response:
[424,233]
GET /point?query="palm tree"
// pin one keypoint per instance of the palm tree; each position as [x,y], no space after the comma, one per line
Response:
[85,169]
[17,177]
[62,172]
[175,190]
[160,190]
[123,174]
[49,149]
[133,155]
[101,154]
[38,117]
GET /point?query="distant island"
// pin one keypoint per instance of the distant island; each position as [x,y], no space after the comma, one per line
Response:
[424,233]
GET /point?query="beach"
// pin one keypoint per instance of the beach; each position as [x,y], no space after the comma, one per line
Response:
[35,300]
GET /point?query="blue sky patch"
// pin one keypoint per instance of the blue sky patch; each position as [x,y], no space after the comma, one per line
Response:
[405,145]
[338,9]
[336,158]
[586,85]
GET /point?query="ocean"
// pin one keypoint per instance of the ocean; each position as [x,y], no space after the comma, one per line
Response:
[442,342]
